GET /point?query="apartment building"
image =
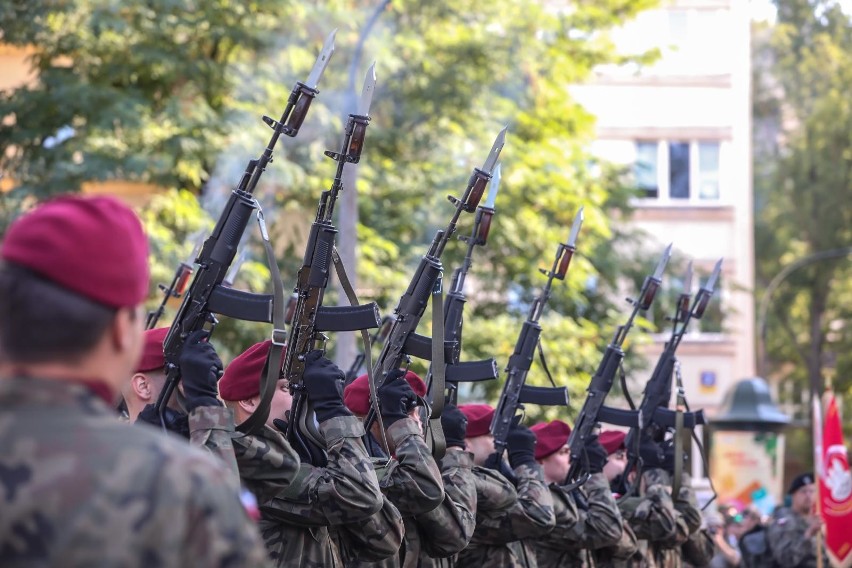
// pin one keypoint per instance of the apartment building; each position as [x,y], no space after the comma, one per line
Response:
[683,125]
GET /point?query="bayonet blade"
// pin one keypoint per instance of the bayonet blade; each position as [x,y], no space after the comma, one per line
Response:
[491,160]
[664,260]
[322,61]
[714,276]
[367,92]
[687,280]
[231,276]
[575,228]
[494,187]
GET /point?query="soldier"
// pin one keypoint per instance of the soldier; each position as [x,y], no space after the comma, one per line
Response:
[507,511]
[586,519]
[793,537]
[626,551]
[412,480]
[298,502]
[209,424]
[81,488]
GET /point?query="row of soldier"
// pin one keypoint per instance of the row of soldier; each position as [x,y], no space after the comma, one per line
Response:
[83,489]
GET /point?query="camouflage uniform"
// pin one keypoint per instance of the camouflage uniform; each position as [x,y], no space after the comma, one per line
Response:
[212,428]
[788,544]
[299,502]
[412,482]
[82,489]
[448,529]
[655,519]
[593,522]
[699,549]
[623,554]
[507,514]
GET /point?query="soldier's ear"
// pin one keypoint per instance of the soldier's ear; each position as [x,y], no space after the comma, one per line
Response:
[141,386]
[249,405]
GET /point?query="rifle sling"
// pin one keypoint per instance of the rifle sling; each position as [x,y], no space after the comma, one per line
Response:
[435,434]
[365,339]
[272,367]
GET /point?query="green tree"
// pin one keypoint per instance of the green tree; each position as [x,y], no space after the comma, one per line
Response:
[803,151]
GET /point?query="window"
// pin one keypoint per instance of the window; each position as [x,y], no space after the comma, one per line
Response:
[678,170]
[646,168]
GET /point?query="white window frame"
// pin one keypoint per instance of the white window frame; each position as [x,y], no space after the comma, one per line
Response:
[663,198]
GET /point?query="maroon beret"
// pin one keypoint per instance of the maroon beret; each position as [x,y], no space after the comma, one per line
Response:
[152,351]
[479,417]
[550,437]
[94,246]
[241,379]
[612,440]
[356,395]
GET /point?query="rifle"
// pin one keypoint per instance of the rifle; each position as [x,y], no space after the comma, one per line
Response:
[310,317]
[379,336]
[593,409]
[456,371]
[515,391]
[402,340]
[653,417]
[173,290]
[207,295]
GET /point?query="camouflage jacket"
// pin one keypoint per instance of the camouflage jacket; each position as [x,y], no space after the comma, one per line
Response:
[788,544]
[82,489]
[623,554]
[655,519]
[212,428]
[447,530]
[593,522]
[298,502]
[412,482]
[699,548]
[502,522]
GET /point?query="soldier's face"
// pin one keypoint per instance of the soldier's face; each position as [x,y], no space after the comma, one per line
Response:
[615,464]
[556,465]
[481,447]
[281,402]
[804,499]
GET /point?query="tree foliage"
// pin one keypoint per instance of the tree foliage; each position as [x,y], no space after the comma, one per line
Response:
[161,93]
[803,184]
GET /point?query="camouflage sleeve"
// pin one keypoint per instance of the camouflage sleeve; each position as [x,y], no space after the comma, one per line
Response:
[221,533]
[687,505]
[450,526]
[494,493]
[699,548]
[413,480]
[267,463]
[345,491]
[788,544]
[601,521]
[212,428]
[531,515]
[373,539]
[567,533]
[653,516]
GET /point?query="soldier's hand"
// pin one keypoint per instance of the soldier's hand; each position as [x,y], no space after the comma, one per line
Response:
[396,398]
[815,525]
[651,453]
[594,455]
[669,457]
[323,382]
[200,369]
[520,443]
[454,423]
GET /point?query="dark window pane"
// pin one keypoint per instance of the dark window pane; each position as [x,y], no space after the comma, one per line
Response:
[679,170]
[645,169]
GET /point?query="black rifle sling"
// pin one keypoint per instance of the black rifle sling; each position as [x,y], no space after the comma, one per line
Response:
[435,435]
[544,363]
[272,368]
[365,340]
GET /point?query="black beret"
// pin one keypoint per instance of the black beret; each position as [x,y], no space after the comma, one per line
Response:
[800,481]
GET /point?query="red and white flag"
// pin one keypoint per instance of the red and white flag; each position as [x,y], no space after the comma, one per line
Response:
[835,489]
